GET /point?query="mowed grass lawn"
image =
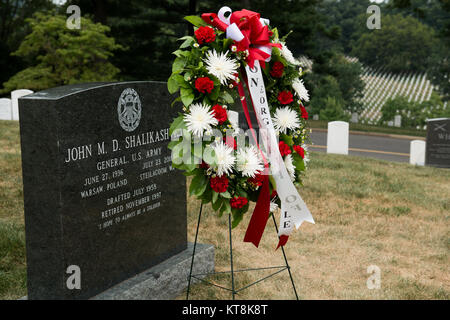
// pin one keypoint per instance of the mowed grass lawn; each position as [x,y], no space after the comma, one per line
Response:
[367,212]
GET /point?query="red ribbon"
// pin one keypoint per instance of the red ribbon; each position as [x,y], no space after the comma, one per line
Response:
[260,214]
[255,34]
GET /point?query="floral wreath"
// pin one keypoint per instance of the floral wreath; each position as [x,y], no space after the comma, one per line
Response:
[228,171]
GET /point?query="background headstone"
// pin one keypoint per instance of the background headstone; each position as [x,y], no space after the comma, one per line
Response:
[390,123]
[337,137]
[315,117]
[101,197]
[354,117]
[438,143]
[398,121]
[15,95]
[417,152]
[5,109]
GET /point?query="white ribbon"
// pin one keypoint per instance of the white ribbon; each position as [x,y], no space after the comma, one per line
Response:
[293,209]
[233,32]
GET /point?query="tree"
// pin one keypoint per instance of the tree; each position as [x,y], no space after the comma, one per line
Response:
[13,29]
[414,114]
[57,55]
[403,43]
[349,75]
[332,110]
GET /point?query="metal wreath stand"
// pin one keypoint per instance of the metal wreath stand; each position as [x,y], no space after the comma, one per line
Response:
[233,289]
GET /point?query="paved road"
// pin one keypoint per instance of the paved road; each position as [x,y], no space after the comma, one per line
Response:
[380,147]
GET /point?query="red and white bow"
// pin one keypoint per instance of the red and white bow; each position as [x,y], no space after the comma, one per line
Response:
[248,30]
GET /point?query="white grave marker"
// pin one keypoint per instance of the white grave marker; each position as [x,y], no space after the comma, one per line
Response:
[398,121]
[5,109]
[337,137]
[417,153]
[15,95]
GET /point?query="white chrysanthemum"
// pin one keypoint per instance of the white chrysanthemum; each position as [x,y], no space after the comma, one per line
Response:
[224,158]
[290,166]
[287,54]
[219,65]
[249,162]
[306,158]
[285,118]
[273,206]
[300,89]
[199,119]
[233,117]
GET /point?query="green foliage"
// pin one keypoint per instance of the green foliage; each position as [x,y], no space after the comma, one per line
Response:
[59,56]
[13,29]
[323,87]
[414,114]
[332,110]
[402,43]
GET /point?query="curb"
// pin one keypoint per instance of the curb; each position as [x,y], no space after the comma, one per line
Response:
[388,135]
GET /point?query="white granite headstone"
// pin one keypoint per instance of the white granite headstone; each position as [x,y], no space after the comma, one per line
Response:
[417,152]
[398,121]
[15,95]
[337,137]
[5,109]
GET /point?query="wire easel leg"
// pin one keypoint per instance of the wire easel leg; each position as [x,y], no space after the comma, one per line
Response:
[193,252]
[233,291]
[285,259]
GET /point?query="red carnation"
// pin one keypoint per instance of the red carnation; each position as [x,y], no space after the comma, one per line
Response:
[238,202]
[284,148]
[219,184]
[285,97]
[229,141]
[220,113]
[304,112]
[277,69]
[205,35]
[300,151]
[204,84]
[257,181]
[204,165]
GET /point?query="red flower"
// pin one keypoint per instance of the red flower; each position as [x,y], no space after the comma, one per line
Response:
[257,181]
[220,113]
[277,69]
[284,148]
[304,112]
[229,141]
[204,165]
[300,151]
[204,84]
[205,35]
[238,202]
[219,184]
[285,97]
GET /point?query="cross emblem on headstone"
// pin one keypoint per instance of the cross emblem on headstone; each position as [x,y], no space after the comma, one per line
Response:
[440,127]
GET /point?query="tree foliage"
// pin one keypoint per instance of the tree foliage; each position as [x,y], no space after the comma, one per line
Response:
[402,43]
[339,79]
[13,29]
[57,55]
[414,114]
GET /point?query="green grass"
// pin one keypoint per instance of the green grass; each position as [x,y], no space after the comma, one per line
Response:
[12,234]
[367,212]
[322,124]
